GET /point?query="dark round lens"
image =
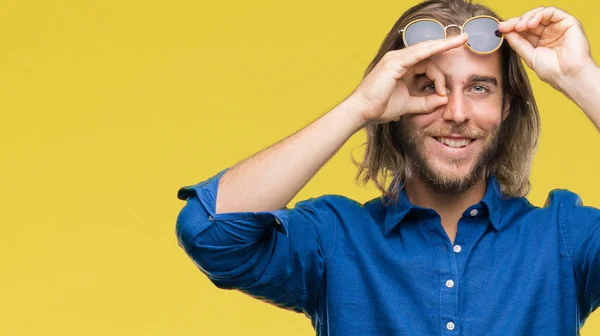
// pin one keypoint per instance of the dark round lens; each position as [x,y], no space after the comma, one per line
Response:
[483,34]
[423,30]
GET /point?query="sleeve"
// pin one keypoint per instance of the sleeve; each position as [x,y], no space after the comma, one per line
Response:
[580,226]
[275,256]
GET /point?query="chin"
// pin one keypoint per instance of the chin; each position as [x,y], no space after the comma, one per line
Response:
[451,170]
[450,176]
[453,174]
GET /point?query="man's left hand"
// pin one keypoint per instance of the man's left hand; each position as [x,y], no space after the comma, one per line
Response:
[551,42]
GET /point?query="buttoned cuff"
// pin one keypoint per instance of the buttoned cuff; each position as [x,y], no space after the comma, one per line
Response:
[248,225]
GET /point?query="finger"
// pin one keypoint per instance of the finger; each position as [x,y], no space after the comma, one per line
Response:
[553,15]
[426,104]
[540,19]
[423,50]
[428,44]
[525,18]
[548,16]
[535,21]
[508,25]
[434,73]
[523,47]
[534,27]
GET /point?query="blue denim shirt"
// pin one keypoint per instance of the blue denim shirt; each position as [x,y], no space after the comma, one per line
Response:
[370,269]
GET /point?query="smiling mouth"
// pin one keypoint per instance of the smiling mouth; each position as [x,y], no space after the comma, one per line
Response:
[454,143]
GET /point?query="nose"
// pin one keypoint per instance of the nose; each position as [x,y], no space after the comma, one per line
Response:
[457,109]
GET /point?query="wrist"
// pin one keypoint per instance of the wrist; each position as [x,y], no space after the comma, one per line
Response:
[583,89]
[358,112]
[574,85]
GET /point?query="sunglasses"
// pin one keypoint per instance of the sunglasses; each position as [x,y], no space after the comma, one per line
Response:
[484,36]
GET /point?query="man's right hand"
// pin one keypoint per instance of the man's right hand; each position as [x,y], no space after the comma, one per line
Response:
[269,180]
[384,93]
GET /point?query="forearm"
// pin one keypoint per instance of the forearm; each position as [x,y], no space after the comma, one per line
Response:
[584,90]
[269,179]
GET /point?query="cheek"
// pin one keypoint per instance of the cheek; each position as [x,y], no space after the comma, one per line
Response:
[488,121]
[487,113]
[421,121]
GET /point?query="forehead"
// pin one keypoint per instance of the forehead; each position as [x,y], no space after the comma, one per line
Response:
[460,63]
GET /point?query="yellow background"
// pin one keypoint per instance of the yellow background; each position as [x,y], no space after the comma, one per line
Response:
[108,107]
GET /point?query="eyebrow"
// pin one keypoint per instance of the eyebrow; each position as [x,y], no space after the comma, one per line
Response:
[473,78]
[485,79]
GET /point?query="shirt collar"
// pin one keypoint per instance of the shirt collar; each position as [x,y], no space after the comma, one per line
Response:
[492,200]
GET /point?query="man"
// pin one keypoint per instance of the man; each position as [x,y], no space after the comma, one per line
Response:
[452,247]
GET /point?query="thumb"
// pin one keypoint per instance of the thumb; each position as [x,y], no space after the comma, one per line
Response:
[426,104]
[521,46]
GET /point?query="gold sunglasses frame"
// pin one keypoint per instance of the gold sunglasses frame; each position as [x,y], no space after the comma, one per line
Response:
[461,31]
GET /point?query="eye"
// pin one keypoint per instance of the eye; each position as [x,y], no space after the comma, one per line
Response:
[429,87]
[479,89]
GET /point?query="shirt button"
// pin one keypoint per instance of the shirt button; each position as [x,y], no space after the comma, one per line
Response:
[450,326]
[210,218]
[449,283]
[457,248]
[474,212]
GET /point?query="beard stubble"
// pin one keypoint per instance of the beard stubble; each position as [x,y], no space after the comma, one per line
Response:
[411,143]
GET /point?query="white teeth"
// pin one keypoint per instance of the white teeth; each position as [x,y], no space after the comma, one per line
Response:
[454,143]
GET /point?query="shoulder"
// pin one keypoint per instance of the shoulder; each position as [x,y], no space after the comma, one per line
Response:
[573,215]
[564,213]
[569,207]
[561,208]
[557,200]
[556,197]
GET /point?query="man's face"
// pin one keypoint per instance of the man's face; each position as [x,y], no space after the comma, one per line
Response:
[449,148]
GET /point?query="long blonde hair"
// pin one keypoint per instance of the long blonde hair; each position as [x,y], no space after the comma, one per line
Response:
[519,133]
